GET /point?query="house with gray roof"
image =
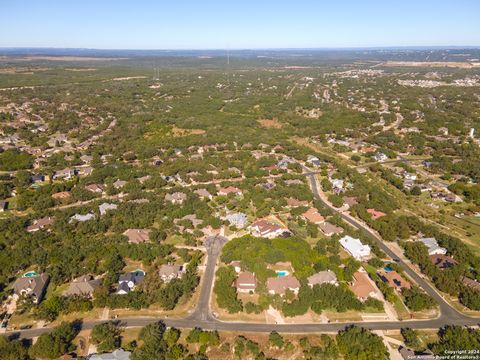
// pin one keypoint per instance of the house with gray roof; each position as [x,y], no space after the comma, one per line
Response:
[169,272]
[81,218]
[103,208]
[31,286]
[118,354]
[238,219]
[129,281]
[40,224]
[176,197]
[433,247]
[85,285]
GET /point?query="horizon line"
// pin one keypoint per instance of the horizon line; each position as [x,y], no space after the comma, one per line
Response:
[391,47]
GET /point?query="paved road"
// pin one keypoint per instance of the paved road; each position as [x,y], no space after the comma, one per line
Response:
[214,246]
[202,317]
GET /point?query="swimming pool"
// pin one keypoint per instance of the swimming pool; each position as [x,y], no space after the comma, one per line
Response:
[388,268]
[282,273]
[30,274]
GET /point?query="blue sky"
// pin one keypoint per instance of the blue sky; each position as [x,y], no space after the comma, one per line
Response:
[210,24]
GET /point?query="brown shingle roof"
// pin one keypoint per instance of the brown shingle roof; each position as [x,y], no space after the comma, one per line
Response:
[280,284]
[330,229]
[443,261]
[313,216]
[361,287]
[137,236]
[394,280]
[84,285]
[246,281]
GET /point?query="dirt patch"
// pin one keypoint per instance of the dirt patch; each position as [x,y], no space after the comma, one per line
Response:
[178,132]
[270,123]
[81,69]
[449,64]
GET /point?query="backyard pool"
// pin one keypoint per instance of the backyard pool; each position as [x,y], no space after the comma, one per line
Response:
[387,268]
[30,274]
[282,273]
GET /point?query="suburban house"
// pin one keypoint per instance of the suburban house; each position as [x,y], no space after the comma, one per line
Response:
[118,354]
[170,272]
[350,201]
[40,224]
[86,158]
[376,214]
[443,261]
[379,156]
[31,286]
[406,353]
[119,184]
[83,286]
[474,284]
[127,282]
[246,282]
[203,194]
[61,195]
[361,286]
[37,178]
[280,284]
[394,280]
[355,247]
[293,182]
[313,160]
[337,185]
[312,215]
[176,197]
[433,247]
[229,190]
[239,220]
[292,202]
[103,208]
[81,218]
[323,277]
[283,163]
[137,236]
[95,188]
[329,229]
[269,229]
[65,174]
[84,170]
[143,179]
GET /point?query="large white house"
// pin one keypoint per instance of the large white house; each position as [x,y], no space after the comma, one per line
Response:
[355,247]
[433,247]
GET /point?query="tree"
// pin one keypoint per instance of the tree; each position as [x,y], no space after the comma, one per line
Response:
[276,339]
[171,336]
[154,346]
[416,300]
[12,349]
[456,338]
[226,293]
[416,191]
[470,297]
[357,343]
[336,200]
[56,343]
[411,338]
[106,336]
